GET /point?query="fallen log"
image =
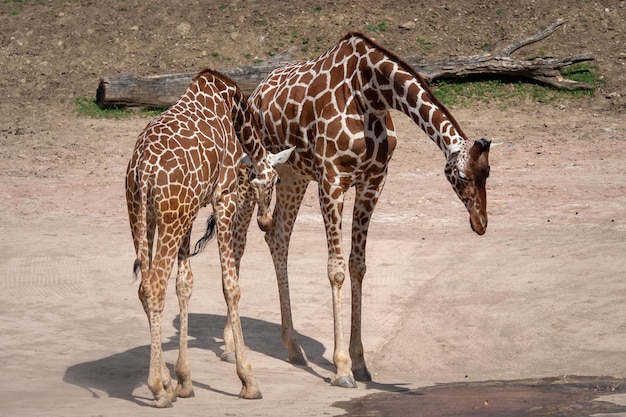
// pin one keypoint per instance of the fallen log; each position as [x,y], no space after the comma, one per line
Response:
[128,90]
[499,62]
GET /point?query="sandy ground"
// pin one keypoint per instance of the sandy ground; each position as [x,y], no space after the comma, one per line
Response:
[542,294]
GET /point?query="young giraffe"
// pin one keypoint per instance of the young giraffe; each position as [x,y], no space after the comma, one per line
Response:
[335,111]
[186,158]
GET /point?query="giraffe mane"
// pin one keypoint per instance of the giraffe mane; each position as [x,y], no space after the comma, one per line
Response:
[411,70]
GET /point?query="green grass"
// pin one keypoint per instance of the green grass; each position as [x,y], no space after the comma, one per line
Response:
[381,27]
[582,73]
[87,107]
[424,45]
[502,91]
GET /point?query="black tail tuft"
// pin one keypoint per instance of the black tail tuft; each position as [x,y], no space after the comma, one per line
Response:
[208,235]
[136,269]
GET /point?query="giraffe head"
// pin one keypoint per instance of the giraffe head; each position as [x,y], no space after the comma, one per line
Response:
[263,178]
[467,171]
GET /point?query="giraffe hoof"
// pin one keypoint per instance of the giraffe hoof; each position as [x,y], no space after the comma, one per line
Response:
[344,382]
[229,357]
[297,358]
[185,392]
[163,403]
[362,374]
[250,393]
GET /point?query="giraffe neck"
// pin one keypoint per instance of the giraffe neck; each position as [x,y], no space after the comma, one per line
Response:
[389,83]
[246,127]
[247,130]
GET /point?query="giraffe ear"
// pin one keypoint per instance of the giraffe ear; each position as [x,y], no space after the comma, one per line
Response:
[282,156]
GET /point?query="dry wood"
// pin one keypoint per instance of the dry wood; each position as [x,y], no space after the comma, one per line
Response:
[133,91]
[128,90]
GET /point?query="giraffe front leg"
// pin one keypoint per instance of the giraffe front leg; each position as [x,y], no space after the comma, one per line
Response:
[332,213]
[184,287]
[341,358]
[289,194]
[365,201]
[229,342]
[225,210]
[245,210]
[359,369]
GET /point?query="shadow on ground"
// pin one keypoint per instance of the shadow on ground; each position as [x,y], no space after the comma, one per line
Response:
[120,374]
[571,396]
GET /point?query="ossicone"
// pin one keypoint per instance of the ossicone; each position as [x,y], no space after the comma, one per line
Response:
[484,144]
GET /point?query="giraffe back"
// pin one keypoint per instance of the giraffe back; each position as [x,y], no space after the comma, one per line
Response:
[190,150]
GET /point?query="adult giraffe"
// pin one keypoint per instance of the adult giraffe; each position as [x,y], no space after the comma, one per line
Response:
[186,158]
[335,111]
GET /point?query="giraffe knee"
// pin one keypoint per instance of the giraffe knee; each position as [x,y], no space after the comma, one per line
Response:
[357,270]
[336,276]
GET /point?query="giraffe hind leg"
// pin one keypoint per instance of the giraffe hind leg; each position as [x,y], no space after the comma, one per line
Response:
[159,379]
[184,287]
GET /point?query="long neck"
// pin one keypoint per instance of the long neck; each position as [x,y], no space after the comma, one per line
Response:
[390,84]
[247,130]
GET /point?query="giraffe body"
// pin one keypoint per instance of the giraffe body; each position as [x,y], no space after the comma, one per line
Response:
[186,158]
[335,111]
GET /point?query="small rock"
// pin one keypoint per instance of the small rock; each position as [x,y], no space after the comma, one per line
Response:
[184,29]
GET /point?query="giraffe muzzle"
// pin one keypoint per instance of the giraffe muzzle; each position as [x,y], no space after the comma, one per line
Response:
[479,223]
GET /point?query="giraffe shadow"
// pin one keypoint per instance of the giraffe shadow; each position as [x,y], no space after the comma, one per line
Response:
[118,375]
[260,336]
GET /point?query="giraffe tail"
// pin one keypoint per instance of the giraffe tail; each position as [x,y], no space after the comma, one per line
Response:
[142,260]
[137,269]
[209,234]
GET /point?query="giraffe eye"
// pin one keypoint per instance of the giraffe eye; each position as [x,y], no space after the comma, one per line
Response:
[462,176]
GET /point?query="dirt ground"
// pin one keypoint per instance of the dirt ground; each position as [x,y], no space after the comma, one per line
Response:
[541,295]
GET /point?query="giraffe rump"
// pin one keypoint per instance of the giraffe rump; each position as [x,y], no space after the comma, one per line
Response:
[209,234]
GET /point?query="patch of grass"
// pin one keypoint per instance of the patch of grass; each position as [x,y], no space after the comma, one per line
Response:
[381,27]
[87,107]
[424,44]
[222,6]
[18,3]
[582,73]
[469,90]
